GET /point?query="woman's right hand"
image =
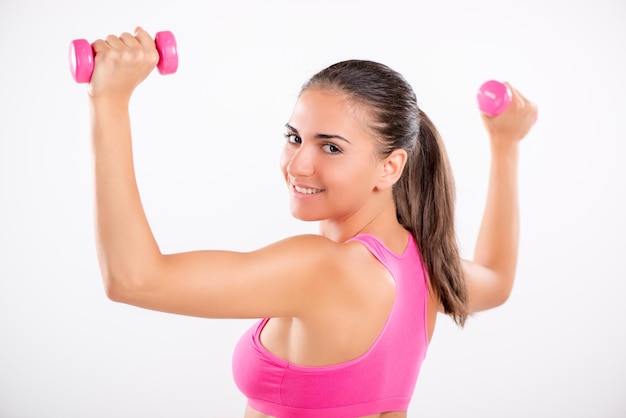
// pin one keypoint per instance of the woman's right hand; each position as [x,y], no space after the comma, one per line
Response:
[514,123]
[121,64]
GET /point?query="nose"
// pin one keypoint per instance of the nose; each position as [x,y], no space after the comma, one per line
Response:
[299,162]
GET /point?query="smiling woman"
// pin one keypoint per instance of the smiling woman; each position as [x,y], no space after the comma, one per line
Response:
[345,316]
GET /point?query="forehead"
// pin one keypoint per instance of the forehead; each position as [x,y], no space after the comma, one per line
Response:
[329,112]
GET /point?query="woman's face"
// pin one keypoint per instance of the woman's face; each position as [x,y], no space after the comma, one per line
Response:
[329,161]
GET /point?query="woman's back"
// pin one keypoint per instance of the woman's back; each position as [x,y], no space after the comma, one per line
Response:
[376,374]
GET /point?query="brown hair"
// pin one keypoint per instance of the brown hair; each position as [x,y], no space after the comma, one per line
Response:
[424,194]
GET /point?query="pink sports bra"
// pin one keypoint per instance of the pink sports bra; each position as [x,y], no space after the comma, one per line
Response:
[381,380]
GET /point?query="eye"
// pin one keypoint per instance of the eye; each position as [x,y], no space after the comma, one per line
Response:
[331,149]
[293,139]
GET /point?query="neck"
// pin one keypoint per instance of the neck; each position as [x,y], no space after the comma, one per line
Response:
[379,219]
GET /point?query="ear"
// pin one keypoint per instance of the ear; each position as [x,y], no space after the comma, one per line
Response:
[391,169]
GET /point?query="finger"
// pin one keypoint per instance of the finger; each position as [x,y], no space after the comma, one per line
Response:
[99,45]
[129,40]
[114,42]
[534,111]
[144,37]
[529,107]
[519,94]
[517,99]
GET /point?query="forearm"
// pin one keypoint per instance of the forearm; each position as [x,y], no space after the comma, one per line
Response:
[498,238]
[124,240]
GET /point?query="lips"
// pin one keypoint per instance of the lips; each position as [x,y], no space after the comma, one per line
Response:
[306,190]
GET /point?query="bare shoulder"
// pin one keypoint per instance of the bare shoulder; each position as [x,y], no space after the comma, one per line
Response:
[321,256]
[341,266]
[306,242]
[318,248]
[310,251]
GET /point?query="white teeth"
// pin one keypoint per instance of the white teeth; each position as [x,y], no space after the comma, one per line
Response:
[306,191]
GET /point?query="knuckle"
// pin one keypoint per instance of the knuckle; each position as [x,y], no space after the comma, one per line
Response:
[153,56]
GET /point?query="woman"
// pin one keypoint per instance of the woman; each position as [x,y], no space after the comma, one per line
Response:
[348,313]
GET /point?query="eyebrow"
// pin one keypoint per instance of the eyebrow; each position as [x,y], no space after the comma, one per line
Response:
[318,136]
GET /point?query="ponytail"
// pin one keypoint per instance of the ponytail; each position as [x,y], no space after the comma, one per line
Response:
[424,198]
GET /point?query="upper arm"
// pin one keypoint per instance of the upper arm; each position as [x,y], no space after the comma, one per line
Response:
[485,288]
[283,279]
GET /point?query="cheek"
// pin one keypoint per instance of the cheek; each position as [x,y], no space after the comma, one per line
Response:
[355,183]
[285,157]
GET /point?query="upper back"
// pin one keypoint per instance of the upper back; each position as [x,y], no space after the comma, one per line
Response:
[381,379]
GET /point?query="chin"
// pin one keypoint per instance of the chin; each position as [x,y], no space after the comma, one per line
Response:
[305,216]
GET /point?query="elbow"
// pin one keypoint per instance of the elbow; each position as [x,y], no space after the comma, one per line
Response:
[503,293]
[122,286]
[484,298]
[113,290]
[502,297]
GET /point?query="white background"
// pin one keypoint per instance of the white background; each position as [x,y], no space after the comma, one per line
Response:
[207,143]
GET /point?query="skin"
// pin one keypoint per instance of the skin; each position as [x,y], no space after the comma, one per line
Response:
[342,297]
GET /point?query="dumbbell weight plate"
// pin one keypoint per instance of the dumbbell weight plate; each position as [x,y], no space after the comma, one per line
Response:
[493,97]
[168,54]
[81,60]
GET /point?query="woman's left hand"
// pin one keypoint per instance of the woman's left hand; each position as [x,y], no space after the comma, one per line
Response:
[514,123]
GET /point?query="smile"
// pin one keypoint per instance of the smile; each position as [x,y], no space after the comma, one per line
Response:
[305,190]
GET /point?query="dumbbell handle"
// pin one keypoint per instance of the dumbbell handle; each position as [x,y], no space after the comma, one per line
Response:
[493,97]
[81,56]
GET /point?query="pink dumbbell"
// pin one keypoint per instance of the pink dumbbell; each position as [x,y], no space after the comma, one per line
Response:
[82,63]
[493,97]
